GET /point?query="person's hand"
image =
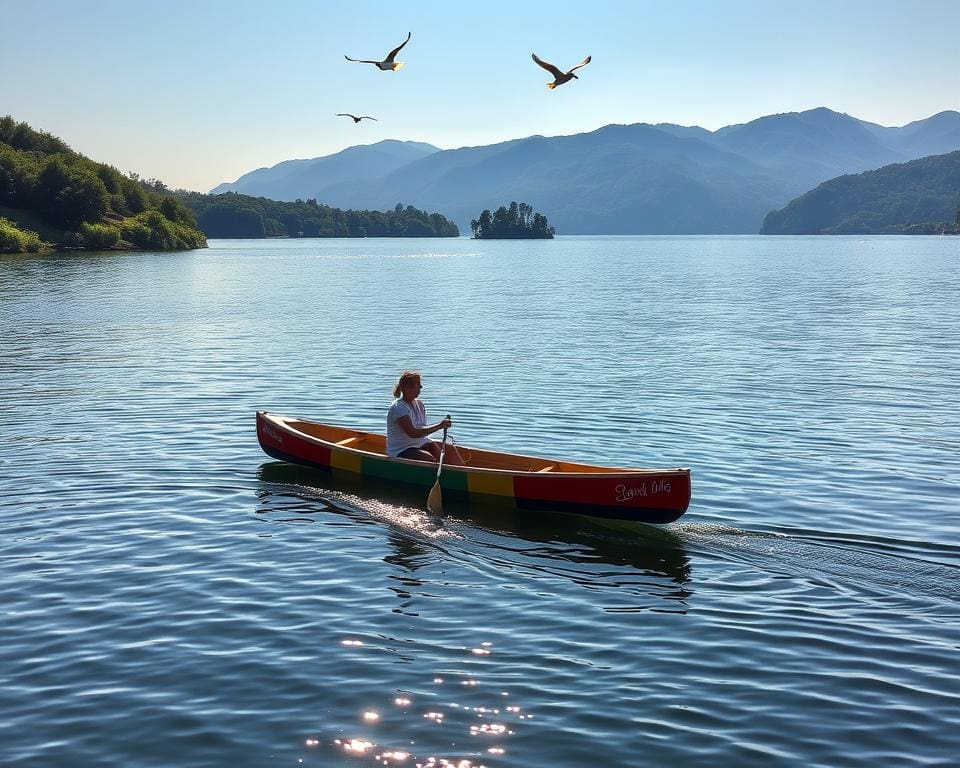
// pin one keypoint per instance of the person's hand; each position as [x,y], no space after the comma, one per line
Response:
[446,422]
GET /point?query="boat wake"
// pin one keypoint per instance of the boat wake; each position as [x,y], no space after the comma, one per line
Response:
[280,497]
[875,568]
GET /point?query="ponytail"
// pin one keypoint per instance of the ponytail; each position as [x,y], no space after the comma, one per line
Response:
[404,377]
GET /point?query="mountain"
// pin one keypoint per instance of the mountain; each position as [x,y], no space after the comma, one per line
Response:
[936,135]
[293,179]
[921,196]
[809,147]
[622,179]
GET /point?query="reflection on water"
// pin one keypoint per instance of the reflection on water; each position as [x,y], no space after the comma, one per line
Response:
[616,553]
[810,383]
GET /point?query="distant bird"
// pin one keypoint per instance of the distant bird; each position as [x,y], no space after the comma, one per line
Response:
[388,63]
[559,78]
[355,118]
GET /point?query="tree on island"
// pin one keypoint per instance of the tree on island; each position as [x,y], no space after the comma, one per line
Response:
[519,222]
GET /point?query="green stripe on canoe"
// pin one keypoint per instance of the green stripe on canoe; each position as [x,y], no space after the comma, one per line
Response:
[412,474]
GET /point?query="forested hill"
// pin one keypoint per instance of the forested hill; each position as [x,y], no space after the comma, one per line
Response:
[51,196]
[918,197]
[235,215]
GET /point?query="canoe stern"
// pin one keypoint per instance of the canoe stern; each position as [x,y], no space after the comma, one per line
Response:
[659,497]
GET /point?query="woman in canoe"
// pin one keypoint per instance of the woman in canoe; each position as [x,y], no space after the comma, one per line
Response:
[407,429]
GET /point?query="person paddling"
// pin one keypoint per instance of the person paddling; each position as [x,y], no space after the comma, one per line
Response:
[407,429]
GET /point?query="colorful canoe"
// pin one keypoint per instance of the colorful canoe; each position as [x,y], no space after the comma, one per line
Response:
[526,482]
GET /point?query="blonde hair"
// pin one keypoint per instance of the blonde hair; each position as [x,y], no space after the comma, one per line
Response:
[404,377]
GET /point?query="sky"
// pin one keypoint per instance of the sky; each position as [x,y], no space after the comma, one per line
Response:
[198,92]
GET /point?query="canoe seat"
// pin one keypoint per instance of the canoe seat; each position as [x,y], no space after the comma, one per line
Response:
[348,441]
[548,468]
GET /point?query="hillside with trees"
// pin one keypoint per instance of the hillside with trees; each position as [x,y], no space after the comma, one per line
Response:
[235,215]
[919,197]
[53,197]
[519,222]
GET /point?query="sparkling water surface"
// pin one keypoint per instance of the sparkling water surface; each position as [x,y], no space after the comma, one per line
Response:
[171,596]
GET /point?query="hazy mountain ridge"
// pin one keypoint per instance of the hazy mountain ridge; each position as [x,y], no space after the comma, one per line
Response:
[620,179]
[292,179]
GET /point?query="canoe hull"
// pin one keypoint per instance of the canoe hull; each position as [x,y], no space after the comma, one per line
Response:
[649,496]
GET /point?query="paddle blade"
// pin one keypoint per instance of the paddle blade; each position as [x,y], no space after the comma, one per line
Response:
[435,500]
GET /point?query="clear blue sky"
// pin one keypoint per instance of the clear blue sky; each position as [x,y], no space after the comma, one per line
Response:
[196,92]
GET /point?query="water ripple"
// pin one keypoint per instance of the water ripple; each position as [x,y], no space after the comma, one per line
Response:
[172,597]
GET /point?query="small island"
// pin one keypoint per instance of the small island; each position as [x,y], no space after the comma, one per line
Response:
[519,222]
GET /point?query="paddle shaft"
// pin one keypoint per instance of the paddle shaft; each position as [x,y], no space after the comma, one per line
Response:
[443,450]
[435,497]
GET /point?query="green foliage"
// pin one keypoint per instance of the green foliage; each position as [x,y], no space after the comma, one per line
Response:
[235,215]
[151,230]
[16,240]
[22,137]
[519,222]
[99,237]
[18,176]
[77,198]
[69,194]
[919,197]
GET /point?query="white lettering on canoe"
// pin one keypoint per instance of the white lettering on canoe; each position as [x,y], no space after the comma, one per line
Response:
[626,492]
[273,434]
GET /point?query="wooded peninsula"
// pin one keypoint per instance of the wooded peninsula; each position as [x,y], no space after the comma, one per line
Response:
[234,215]
[52,197]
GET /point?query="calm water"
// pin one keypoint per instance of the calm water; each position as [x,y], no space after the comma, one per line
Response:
[172,597]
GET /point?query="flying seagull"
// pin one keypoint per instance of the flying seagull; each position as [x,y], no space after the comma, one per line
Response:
[559,78]
[356,118]
[388,64]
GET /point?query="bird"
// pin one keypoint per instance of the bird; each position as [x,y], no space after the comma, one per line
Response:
[355,118]
[559,78]
[388,64]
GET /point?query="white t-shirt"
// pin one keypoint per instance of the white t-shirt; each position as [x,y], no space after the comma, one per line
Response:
[397,440]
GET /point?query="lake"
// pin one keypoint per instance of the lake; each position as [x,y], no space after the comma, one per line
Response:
[171,596]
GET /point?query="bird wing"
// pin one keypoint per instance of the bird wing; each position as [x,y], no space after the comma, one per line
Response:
[581,64]
[547,66]
[361,61]
[367,117]
[396,50]
[345,114]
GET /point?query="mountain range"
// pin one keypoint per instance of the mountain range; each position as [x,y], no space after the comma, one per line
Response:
[618,179]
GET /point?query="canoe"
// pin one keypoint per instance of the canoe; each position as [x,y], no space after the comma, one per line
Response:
[655,496]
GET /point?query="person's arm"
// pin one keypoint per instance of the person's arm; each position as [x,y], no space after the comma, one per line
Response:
[406,424]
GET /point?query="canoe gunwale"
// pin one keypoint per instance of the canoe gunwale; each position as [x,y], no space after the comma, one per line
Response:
[283,423]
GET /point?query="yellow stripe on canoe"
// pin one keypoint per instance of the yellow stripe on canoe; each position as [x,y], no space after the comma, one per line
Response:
[490,483]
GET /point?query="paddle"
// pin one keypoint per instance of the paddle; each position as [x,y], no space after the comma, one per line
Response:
[435,498]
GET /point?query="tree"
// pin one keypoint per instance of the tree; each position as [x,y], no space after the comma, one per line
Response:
[418,228]
[292,224]
[71,195]
[18,177]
